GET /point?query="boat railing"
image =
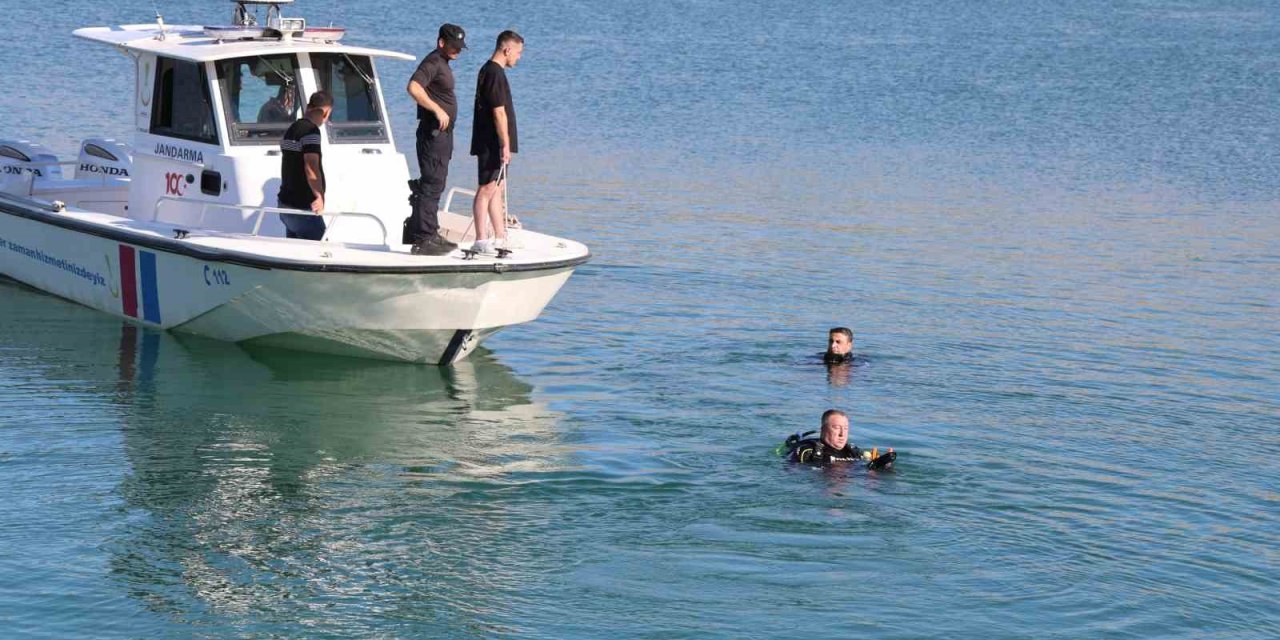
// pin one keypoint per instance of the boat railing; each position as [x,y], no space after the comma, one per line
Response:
[512,221]
[262,212]
[448,199]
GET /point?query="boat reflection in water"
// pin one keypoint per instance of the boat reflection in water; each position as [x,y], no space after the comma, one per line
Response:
[269,477]
[306,492]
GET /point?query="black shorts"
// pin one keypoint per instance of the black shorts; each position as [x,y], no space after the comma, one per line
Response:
[489,165]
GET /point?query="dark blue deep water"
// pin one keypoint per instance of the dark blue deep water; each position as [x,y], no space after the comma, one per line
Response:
[1052,226]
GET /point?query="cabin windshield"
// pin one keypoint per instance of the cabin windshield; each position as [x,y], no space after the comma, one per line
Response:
[260,96]
[357,115]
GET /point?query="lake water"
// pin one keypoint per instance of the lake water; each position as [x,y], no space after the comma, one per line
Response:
[1052,226]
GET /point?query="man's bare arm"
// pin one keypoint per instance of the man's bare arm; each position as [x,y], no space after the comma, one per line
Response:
[311,161]
[504,137]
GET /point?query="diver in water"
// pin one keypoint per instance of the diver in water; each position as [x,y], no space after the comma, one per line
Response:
[833,445]
[839,346]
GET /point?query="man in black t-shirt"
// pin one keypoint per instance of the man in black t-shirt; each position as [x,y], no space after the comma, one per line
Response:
[302,171]
[493,141]
[432,89]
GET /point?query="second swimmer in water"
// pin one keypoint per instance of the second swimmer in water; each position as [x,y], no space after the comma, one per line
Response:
[839,346]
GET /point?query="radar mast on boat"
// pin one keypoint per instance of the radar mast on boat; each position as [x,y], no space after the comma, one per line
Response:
[245,24]
[243,17]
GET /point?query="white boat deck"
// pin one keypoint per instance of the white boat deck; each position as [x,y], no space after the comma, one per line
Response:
[533,249]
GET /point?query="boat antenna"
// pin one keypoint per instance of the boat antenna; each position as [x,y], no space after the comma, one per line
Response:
[243,17]
[159,20]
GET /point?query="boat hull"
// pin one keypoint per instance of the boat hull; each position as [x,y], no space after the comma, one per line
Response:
[424,317]
[427,318]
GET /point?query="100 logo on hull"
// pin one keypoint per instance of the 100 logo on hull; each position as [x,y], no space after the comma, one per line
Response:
[175,184]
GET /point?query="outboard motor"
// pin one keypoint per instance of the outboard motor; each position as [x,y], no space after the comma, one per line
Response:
[28,157]
[22,163]
[104,157]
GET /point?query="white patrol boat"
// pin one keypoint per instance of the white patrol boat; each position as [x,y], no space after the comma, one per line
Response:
[179,231]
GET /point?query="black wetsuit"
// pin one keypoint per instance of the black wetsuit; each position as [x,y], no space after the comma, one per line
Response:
[816,452]
[837,358]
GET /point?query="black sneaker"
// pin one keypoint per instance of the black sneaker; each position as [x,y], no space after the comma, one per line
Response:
[432,246]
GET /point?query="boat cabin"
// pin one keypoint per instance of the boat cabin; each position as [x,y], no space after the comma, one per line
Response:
[210,105]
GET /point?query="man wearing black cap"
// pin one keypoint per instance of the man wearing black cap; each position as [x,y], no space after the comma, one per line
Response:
[432,89]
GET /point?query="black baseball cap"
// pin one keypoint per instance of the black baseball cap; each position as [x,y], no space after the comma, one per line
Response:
[453,35]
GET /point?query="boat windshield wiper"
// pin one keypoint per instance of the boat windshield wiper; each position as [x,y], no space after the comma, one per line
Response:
[288,79]
[367,80]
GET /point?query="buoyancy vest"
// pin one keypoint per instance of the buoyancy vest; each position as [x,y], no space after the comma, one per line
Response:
[816,452]
[837,358]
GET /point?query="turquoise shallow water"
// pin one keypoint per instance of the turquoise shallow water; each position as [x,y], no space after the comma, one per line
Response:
[1052,228]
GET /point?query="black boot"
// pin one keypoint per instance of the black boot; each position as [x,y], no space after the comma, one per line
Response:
[433,245]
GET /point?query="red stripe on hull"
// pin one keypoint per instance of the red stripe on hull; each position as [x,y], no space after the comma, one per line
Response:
[128,281]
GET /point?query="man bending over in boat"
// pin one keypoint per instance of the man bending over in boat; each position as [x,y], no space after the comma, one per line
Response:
[302,171]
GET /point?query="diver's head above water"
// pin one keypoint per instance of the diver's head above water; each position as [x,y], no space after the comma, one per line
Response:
[839,346]
[835,428]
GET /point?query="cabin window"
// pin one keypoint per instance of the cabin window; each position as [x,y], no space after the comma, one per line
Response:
[357,116]
[181,107]
[261,97]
